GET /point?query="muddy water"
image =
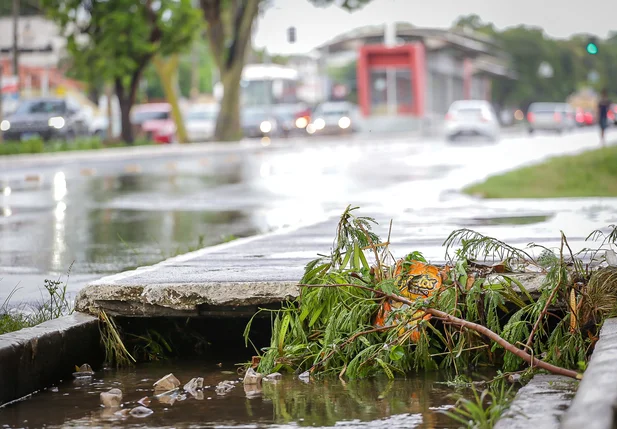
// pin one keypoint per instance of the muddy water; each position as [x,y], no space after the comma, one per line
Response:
[415,402]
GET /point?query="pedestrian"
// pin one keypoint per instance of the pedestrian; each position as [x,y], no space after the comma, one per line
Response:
[603,105]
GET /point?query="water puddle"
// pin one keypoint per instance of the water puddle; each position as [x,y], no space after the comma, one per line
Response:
[415,402]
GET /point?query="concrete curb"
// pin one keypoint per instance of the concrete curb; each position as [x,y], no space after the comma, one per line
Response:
[539,404]
[595,402]
[34,358]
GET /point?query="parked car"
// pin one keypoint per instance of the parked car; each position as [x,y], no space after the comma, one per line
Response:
[557,117]
[47,118]
[471,117]
[200,122]
[333,117]
[259,122]
[153,121]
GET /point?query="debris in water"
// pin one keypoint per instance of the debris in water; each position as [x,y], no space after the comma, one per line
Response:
[167,383]
[224,387]
[194,385]
[141,412]
[53,389]
[168,397]
[252,390]
[111,399]
[83,371]
[275,376]
[305,377]
[122,413]
[145,401]
[252,378]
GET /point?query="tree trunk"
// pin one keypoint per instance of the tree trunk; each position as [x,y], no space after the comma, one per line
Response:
[126,98]
[228,122]
[229,58]
[167,71]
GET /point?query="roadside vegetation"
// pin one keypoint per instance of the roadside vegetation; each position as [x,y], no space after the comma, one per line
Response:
[356,319]
[55,304]
[37,145]
[589,174]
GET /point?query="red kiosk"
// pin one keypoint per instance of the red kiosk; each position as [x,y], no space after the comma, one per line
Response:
[392,80]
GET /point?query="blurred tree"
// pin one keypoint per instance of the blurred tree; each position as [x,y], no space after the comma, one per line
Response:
[346,75]
[229,25]
[117,39]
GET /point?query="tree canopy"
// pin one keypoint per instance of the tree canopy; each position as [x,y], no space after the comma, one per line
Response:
[528,47]
[115,40]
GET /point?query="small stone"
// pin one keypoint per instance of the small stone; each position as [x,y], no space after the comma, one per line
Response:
[111,399]
[275,376]
[194,385]
[83,371]
[167,383]
[122,413]
[145,401]
[141,412]
[305,376]
[252,378]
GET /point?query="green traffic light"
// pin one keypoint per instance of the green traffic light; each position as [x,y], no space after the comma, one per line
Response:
[592,48]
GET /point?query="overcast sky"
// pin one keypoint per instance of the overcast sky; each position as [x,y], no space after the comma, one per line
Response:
[560,18]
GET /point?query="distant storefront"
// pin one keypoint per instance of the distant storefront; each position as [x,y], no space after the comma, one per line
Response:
[419,72]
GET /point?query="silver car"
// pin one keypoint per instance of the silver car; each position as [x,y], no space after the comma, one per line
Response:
[333,117]
[558,117]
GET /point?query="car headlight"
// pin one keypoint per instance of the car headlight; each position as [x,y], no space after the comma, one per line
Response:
[56,122]
[319,124]
[344,122]
[265,127]
[310,128]
[5,125]
[301,122]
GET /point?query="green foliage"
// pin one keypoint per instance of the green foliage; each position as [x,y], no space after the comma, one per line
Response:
[55,304]
[331,328]
[121,36]
[484,409]
[590,174]
[37,145]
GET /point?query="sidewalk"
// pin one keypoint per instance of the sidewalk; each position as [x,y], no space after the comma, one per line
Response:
[264,270]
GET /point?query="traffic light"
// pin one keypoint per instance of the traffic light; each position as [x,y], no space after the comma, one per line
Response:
[291,34]
[592,46]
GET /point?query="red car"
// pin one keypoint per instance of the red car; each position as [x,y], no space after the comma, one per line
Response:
[155,122]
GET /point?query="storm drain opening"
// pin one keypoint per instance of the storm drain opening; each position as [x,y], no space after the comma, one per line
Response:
[215,335]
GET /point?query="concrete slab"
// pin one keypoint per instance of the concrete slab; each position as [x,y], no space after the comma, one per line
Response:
[596,400]
[256,271]
[539,404]
[38,357]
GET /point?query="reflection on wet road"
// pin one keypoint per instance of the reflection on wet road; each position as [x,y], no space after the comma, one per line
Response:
[106,216]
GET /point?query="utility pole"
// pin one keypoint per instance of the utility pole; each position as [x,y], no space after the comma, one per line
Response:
[15,41]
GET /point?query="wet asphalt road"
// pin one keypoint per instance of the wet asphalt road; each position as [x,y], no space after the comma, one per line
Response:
[99,216]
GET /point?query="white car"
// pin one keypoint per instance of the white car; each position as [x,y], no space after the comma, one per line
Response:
[200,122]
[471,117]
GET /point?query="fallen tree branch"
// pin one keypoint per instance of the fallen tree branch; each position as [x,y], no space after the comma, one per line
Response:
[531,360]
